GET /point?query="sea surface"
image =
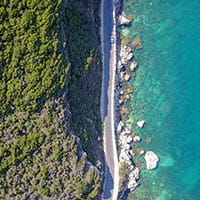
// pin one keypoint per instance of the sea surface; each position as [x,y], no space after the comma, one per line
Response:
[167,96]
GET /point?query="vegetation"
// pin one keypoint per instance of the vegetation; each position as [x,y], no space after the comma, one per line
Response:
[47,48]
[85,82]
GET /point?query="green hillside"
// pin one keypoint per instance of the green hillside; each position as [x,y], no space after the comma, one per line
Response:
[49,50]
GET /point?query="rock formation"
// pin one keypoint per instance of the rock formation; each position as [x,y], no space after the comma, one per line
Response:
[151,160]
[141,123]
[133,66]
[124,20]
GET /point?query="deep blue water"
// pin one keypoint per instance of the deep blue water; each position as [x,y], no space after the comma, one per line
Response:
[167,96]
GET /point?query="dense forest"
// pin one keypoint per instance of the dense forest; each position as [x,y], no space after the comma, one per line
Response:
[50,76]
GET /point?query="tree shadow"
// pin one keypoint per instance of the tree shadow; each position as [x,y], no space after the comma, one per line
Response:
[106,48]
[108,184]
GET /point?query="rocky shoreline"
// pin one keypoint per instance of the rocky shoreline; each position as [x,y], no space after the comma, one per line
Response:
[126,138]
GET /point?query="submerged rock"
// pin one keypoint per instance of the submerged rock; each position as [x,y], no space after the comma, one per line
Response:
[151,160]
[148,140]
[137,44]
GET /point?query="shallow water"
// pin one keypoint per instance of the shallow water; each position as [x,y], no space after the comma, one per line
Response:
[167,96]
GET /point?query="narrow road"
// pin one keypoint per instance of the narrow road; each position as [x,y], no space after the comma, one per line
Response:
[108,40]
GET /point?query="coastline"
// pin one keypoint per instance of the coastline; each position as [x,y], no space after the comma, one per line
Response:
[144,113]
[125,137]
[120,168]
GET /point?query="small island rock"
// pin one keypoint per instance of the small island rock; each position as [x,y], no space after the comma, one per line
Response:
[151,160]
[141,123]
[137,44]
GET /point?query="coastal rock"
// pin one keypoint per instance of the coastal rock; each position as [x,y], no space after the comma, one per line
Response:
[132,184]
[141,123]
[129,56]
[120,102]
[137,44]
[124,20]
[133,66]
[126,54]
[123,133]
[123,141]
[134,175]
[121,92]
[138,164]
[136,138]
[122,75]
[127,130]
[129,90]
[140,151]
[132,152]
[124,156]
[120,127]
[124,111]
[151,160]
[126,146]
[127,77]
[129,139]
[127,97]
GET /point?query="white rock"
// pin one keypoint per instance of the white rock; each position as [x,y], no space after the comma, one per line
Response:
[123,133]
[129,139]
[124,156]
[132,184]
[122,75]
[127,130]
[126,54]
[126,146]
[137,138]
[133,66]
[120,127]
[129,56]
[151,160]
[127,77]
[141,123]
[133,177]
[141,152]
[127,96]
[121,92]
[123,140]
[123,20]
[135,173]
[120,102]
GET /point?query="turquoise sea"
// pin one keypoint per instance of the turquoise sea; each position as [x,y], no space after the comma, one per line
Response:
[167,95]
